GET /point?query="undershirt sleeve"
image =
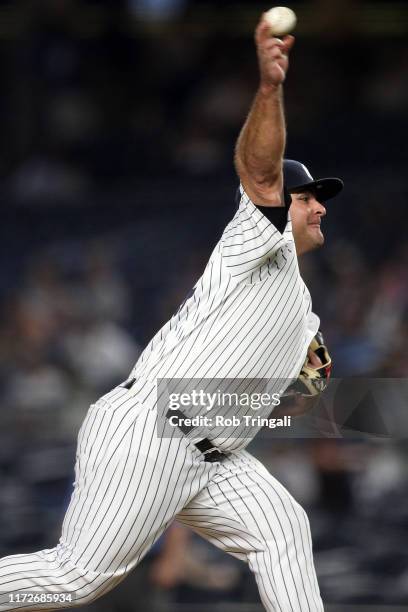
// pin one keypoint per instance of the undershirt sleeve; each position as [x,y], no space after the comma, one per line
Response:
[277,215]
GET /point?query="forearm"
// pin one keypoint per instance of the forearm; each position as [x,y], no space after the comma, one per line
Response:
[261,143]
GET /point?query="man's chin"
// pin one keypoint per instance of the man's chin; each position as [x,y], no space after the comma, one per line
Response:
[321,239]
[316,240]
[310,241]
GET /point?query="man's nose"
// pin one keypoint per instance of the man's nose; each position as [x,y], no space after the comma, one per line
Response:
[319,208]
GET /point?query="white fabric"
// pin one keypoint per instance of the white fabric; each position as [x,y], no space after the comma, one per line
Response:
[130,485]
[248,317]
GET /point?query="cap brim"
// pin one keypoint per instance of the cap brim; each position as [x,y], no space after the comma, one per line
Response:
[325,188]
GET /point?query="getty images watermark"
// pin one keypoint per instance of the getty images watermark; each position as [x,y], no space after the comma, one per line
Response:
[352,408]
[219,407]
[217,402]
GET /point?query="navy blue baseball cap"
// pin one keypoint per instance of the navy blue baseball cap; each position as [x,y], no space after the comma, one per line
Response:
[297,176]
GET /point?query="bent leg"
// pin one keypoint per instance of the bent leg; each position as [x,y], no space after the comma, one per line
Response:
[246,512]
[128,486]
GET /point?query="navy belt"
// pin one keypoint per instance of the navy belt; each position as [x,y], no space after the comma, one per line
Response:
[205,446]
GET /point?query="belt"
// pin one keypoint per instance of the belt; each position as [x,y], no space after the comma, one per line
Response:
[205,446]
[210,452]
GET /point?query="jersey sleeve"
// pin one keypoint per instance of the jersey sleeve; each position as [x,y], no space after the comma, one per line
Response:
[249,241]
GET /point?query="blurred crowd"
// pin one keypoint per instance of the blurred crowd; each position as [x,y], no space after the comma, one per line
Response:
[119,121]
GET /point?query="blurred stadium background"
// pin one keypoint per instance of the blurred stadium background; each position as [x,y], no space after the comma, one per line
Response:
[118,122]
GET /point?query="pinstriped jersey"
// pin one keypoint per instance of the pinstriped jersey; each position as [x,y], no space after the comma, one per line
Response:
[248,316]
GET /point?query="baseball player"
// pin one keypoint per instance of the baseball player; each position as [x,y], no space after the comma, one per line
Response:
[249,316]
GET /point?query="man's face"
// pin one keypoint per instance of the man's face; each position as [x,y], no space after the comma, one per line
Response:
[306,213]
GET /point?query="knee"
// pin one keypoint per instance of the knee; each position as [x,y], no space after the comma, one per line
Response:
[296,516]
[298,509]
[85,587]
[287,518]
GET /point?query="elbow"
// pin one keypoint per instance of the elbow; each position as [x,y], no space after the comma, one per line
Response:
[263,180]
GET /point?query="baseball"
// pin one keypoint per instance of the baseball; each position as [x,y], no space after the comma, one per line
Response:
[281,19]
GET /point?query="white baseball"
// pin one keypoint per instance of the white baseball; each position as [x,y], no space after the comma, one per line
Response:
[281,19]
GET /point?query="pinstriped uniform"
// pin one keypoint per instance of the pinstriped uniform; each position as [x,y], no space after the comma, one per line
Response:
[249,316]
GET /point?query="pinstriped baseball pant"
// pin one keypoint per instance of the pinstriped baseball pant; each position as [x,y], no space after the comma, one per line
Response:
[130,485]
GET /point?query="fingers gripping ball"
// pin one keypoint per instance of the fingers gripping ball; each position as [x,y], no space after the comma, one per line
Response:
[282,20]
[313,380]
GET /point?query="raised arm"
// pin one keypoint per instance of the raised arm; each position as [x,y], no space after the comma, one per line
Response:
[261,143]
